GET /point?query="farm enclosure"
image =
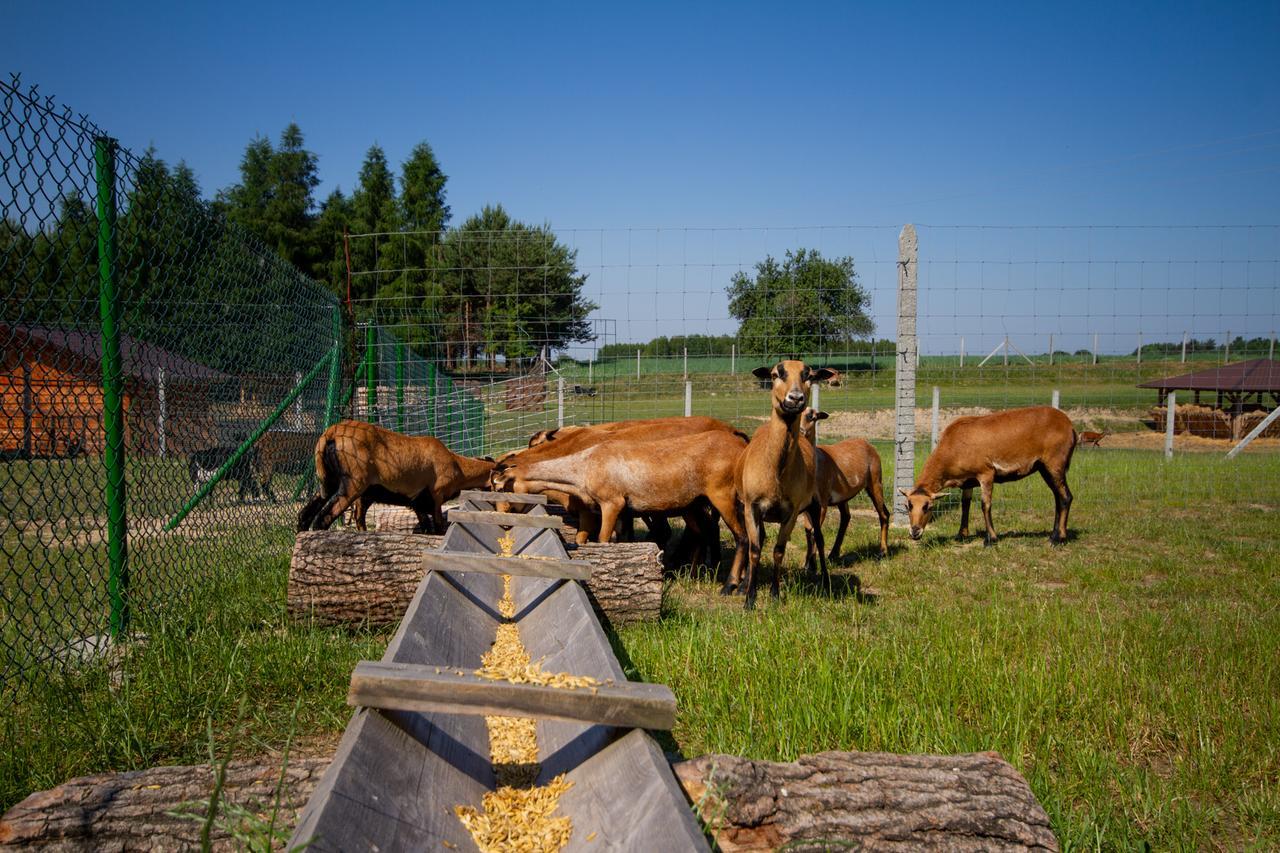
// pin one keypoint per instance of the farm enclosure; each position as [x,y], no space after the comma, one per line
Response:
[1159,574]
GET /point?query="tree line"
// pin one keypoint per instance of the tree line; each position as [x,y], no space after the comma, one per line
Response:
[492,287]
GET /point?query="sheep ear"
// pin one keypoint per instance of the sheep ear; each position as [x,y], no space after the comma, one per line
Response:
[552,433]
[763,373]
[936,495]
[904,492]
[821,374]
[821,416]
[487,458]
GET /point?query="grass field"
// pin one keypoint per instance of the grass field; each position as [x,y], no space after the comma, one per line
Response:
[1130,675]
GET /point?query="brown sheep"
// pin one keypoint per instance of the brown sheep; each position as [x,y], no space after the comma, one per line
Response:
[775,476]
[357,460]
[844,470]
[998,448]
[635,471]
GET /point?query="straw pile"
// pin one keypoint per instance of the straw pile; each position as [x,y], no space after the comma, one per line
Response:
[518,816]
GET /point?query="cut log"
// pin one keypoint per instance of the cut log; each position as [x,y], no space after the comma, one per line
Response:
[142,810]
[348,577]
[828,801]
[882,801]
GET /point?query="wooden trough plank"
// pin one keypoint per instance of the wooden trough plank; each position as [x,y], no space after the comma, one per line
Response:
[415,687]
[506,519]
[626,798]
[388,790]
[507,497]
[444,561]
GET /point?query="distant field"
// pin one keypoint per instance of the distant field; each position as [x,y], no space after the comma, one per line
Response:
[1110,388]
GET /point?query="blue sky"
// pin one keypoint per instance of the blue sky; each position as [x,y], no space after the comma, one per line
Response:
[609,116]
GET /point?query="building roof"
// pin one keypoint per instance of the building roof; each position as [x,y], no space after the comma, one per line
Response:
[1259,374]
[141,360]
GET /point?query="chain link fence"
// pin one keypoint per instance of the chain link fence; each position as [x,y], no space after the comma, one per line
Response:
[165,377]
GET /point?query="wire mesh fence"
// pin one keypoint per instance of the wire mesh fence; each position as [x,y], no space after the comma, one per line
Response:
[121,283]
[145,342]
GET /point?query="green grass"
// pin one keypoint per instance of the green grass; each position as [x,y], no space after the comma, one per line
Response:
[225,660]
[1131,676]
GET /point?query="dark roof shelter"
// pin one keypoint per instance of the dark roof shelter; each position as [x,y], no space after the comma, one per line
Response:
[141,360]
[1232,383]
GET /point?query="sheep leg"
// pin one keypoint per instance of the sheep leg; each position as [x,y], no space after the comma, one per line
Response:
[810,558]
[609,512]
[814,513]
[780,550]
[727,508]
[360,509]
[426,508]
[988,486]
[310,511]
[333,510]
[1061,505]
[755,540]
[843,509]
[966,497]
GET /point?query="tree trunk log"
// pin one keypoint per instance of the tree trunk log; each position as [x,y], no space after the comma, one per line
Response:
[132,811]
[883,801]
[348,577]
[832,800]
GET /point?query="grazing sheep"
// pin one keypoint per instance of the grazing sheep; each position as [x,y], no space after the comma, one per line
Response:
[360,461]
[998,448]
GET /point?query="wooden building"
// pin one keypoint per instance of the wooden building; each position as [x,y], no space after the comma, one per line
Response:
[1225,401]
[51,395]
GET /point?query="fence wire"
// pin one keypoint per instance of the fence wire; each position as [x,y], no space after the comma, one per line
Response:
[214,334]
[232,362]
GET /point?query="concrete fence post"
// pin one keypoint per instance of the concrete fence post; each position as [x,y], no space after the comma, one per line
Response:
[933,432]
[1056,399]
[904,451]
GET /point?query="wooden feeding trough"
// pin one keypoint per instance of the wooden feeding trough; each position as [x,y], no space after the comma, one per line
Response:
[418,747]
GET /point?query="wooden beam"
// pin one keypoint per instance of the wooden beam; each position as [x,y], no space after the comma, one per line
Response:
[529,567]
[508,497]
[419,687]
[506,519]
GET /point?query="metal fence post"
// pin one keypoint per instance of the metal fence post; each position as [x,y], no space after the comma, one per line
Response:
[399,386]
[335,375]
[1184,347]
[1056,399]
[1095,347]
[817,407]
[1051,350]
[1226,348]
[637,364]
[1170,414]
[112,396]
[904,453]
[688,399]
[431,399]
[962,353]
[559,401]
[733,359]
[371,373]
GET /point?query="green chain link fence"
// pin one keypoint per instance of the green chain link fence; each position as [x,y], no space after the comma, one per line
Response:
[164,379]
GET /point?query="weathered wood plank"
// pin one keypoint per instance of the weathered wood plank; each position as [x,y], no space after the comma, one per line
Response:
[534,567]
[507,497]
[506,519]
[415,687]
[626,798]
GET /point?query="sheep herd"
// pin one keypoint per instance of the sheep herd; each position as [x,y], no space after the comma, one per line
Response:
[703,471]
